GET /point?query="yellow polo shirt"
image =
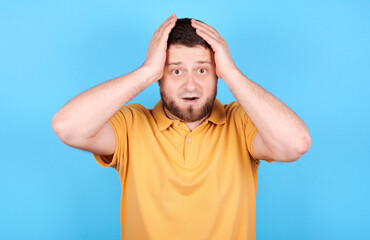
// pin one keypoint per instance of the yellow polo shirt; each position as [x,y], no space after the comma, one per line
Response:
[183,185]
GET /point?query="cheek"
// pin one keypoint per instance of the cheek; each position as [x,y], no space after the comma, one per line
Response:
[169,88]
[209,86]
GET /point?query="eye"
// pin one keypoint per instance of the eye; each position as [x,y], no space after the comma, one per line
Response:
[202,70]
[176,71]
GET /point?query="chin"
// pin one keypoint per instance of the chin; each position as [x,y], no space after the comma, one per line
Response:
[190,112]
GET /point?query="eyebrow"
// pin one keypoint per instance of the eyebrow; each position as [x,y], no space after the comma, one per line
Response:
[179,63]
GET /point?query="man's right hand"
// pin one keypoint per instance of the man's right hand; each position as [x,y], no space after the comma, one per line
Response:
[156,53]
[83,122]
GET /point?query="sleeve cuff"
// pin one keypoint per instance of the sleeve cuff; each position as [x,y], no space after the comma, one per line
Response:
[108,160]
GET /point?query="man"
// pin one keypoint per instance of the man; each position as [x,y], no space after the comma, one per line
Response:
[187,167]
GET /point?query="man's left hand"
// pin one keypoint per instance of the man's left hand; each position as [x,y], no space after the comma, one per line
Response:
[223,60]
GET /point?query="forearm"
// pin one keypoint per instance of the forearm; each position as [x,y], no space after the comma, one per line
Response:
[88,112]
[280,128]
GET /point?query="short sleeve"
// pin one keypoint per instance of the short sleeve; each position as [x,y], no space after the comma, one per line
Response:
[120,123]
[250,132]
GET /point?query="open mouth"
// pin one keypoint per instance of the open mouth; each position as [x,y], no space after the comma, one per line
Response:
[190,99]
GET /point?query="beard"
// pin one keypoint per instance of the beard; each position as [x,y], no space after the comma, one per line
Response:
[188,113]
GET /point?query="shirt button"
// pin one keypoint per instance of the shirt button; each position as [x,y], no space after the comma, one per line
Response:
[176,124]
[189,140]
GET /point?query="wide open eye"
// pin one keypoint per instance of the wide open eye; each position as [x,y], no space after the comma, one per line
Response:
[202,71]
[176,71]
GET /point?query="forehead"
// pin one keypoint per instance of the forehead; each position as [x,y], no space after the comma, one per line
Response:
[180,54]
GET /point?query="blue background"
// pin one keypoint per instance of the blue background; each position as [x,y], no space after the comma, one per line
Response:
[312,55]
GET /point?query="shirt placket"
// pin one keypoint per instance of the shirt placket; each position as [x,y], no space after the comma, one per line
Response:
[189,146]
[190,151]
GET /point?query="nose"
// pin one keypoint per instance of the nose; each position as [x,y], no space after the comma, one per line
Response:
[190,83]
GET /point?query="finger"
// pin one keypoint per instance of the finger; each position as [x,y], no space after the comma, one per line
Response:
[206,31]
[167,22]
[171,22]
[211,40]
[166,31]
[199,23]
[203,26]
[160,38]
[159,33]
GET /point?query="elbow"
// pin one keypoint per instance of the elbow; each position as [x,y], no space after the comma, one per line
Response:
[304,144]
[57,126]
[301,147]
[68,133]
[63,130]
[292,150]
[295,150]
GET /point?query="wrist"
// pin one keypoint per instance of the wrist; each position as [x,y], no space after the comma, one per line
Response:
[149,74]
[231,74]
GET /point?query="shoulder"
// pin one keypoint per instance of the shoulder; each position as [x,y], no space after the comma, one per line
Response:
[135,109]
[234,109]
[133,112]
[232,106]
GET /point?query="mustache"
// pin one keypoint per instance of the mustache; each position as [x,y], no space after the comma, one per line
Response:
[186,94]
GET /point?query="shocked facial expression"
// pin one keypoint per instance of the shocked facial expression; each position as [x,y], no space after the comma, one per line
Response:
[189,84]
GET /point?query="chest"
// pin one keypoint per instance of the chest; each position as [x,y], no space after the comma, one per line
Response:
[178,147]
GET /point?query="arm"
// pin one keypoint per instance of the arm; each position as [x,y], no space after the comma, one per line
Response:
[83,122]
[282,135]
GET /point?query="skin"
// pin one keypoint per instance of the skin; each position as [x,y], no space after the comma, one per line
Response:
[282,135]
[83,122]
[188,72]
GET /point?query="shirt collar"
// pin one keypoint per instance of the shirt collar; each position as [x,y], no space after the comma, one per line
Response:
[217,115]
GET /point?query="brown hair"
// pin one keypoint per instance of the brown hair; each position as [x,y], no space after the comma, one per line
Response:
[184,34]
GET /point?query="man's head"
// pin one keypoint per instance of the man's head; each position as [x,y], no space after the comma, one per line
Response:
[189,84]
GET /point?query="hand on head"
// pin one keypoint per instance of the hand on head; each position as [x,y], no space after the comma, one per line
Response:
[156,53]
